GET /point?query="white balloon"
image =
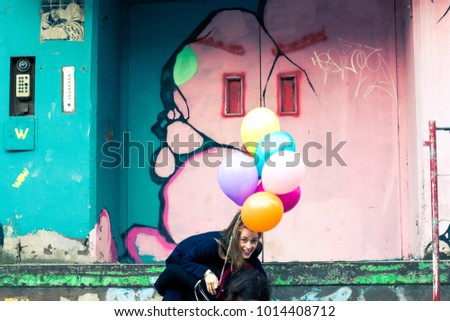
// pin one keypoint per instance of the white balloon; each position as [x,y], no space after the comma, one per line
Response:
[283,172]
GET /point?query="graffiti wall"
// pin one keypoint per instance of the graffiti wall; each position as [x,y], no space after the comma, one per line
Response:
[140,173]
[286,293]
[331,84]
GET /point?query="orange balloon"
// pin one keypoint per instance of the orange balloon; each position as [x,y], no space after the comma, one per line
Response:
[262,211]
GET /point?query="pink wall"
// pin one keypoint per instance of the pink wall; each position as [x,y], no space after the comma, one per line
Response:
[348,211]
[431,44]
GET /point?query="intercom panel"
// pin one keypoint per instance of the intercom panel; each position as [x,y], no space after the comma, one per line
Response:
[23,86]
[22,75]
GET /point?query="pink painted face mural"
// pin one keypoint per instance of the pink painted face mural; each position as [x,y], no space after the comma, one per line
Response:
[222,71]
[331,85]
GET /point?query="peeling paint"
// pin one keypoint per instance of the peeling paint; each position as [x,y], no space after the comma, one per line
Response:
[130,294]
[89,297]
[342,294]
[40,247]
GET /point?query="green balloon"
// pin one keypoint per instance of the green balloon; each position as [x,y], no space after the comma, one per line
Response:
[186,66]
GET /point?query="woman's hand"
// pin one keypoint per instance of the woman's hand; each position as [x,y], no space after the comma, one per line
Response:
[212,282]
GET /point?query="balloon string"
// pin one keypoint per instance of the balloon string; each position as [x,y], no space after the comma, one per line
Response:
[228,248]
[226,259]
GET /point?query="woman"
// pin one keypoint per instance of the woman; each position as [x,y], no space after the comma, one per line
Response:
[248,284]
[199,267]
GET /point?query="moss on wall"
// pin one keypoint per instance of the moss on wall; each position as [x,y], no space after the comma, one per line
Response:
[280,274]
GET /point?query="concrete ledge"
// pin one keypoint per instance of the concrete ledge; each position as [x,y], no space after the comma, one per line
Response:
[280,274]
[356,273]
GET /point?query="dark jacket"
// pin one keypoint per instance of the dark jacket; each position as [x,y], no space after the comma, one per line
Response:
[198,253]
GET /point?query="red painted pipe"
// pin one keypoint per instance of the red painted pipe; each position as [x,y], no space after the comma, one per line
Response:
[434,209]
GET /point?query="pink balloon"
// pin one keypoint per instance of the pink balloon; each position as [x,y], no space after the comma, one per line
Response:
[289,199]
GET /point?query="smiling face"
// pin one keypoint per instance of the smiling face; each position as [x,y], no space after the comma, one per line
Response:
[248,242]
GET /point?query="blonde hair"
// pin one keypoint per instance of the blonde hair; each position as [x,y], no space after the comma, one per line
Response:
[229,246]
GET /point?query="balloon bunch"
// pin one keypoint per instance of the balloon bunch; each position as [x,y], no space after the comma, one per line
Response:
[265,181]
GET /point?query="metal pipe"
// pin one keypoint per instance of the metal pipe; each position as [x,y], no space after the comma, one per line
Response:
[434,209]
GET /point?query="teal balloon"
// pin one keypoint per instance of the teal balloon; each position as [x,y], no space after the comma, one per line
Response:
[270,144]
[186,65]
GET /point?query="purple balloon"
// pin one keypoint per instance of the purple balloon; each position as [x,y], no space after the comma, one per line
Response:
[238,176]
[289,200]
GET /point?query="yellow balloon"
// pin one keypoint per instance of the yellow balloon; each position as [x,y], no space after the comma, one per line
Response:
[262,211]
[256,124]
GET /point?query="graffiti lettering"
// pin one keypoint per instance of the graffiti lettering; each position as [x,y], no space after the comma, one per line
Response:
[367,63]
[21,134]
[21,178]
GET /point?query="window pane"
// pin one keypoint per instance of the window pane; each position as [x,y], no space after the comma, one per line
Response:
[233,96]
[288,94]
